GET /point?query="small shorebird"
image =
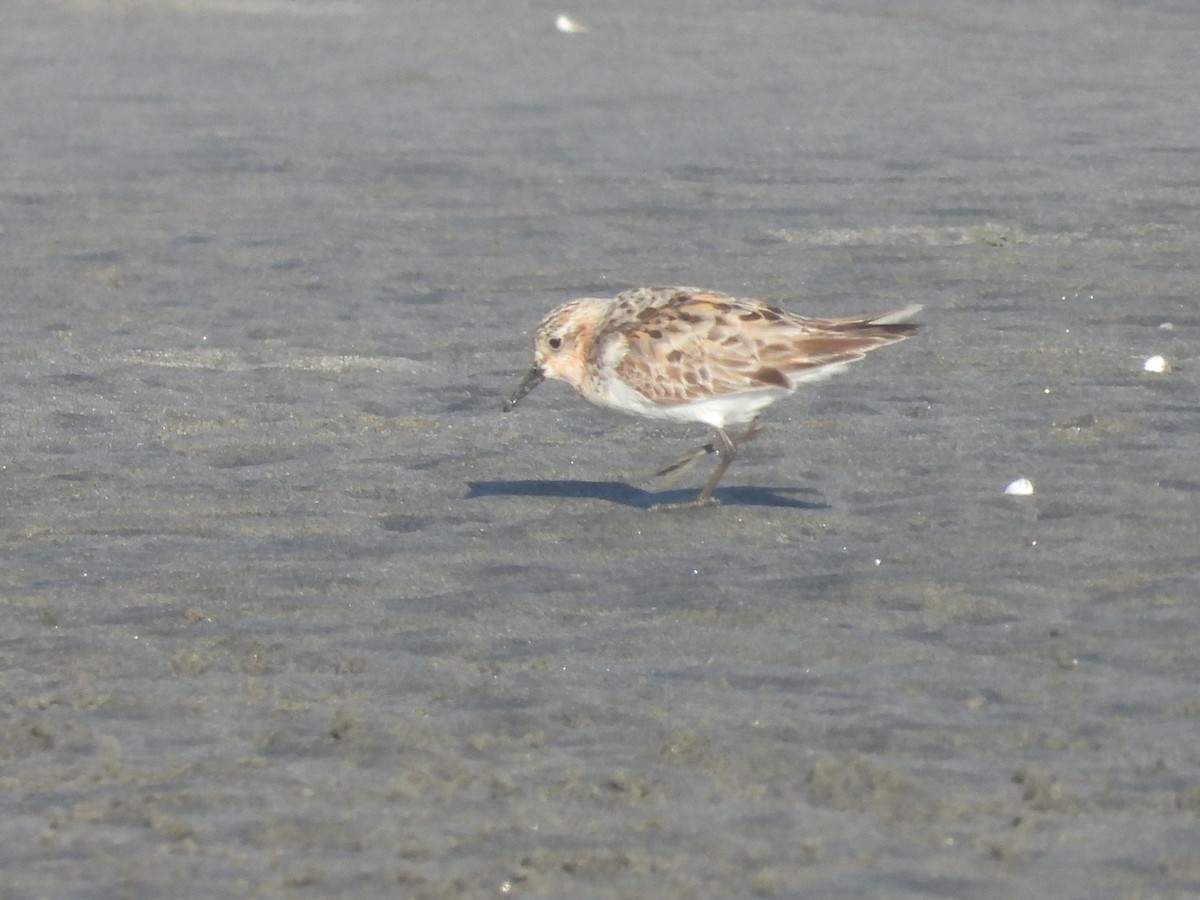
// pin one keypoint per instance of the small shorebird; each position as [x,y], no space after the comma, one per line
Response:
[691,355]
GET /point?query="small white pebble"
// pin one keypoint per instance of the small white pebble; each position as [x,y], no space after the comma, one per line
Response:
[1156,364]
[1022,487]
[567,25]
[1167,326]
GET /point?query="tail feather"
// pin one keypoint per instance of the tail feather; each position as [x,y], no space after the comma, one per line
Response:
[899,315]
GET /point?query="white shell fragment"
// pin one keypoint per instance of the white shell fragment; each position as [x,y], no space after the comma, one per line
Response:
[1156,364]
[567,25]
[1022,487]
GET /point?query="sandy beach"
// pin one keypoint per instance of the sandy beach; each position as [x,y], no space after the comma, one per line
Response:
[292,609]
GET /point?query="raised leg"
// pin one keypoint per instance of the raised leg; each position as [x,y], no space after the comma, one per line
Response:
[728,451]
[754,430]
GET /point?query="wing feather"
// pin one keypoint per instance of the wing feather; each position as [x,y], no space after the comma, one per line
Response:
[679,345]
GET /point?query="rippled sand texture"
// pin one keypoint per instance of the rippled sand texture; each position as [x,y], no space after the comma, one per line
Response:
[290,606]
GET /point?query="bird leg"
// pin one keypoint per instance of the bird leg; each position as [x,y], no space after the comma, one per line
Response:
[756,428]
[728,451]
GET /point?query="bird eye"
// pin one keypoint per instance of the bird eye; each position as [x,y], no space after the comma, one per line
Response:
[554,343]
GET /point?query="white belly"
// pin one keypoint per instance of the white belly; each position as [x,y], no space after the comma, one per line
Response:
[729,409]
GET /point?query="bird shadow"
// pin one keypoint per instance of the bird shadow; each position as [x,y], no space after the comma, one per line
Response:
[628,495]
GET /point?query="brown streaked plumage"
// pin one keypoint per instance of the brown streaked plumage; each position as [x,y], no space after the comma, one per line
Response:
[691,355]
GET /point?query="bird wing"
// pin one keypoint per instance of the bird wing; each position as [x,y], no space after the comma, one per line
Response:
[678,345]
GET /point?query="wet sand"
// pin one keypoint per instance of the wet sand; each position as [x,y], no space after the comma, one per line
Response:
[292,609]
